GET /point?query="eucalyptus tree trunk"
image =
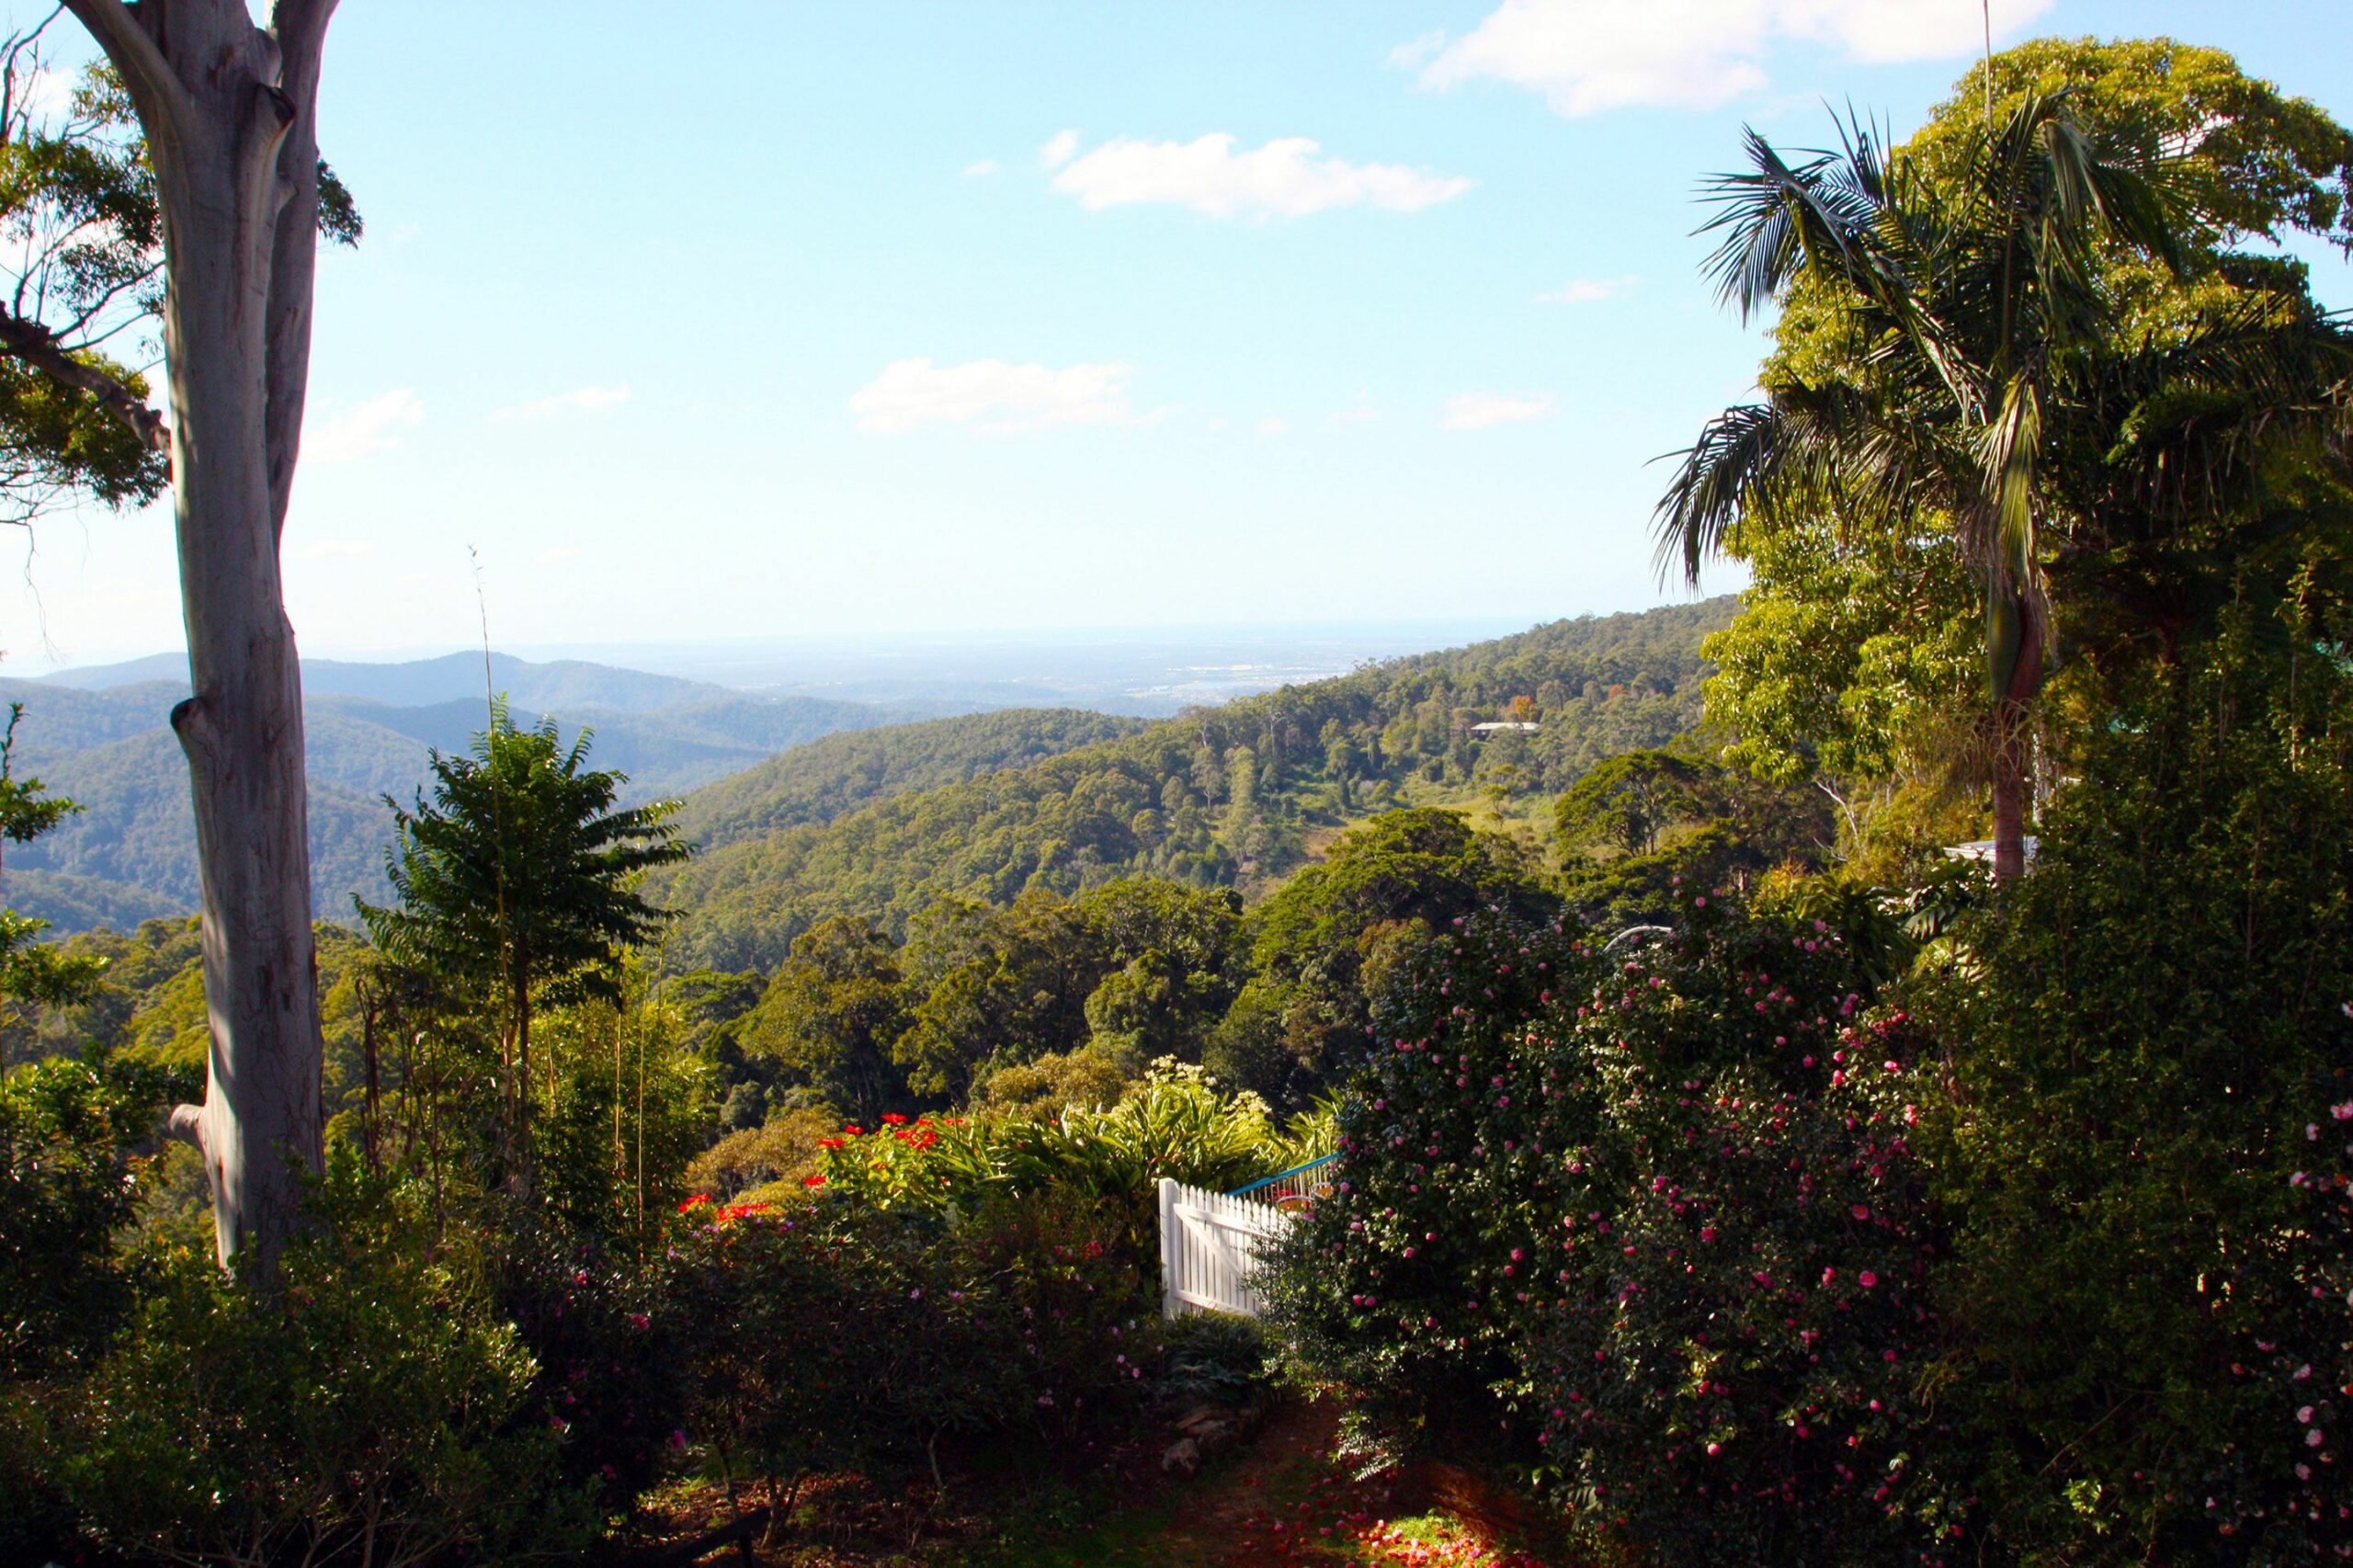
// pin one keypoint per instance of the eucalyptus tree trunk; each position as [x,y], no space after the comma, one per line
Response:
[226,108]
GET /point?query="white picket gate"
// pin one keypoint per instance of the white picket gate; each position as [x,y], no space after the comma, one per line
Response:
[1209,1248]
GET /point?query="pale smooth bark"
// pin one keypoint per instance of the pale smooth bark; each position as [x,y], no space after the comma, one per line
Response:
[226,108]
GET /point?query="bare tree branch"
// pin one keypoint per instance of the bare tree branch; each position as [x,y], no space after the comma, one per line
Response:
[38,347]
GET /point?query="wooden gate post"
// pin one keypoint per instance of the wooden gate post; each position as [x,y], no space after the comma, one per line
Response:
[1169,1243]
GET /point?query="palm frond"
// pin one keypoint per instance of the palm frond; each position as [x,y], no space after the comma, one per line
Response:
[1776,220]
[1722,476]
[2003,522]
[1808,451]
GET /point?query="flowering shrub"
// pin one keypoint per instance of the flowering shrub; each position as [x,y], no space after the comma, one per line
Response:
[923,1162]
[1086,1334]
[2148,1038]
[806,1323]
[1655,1212]
[611,1376]
[1178,1122]
[2283,1497]
[1394,1286]
[838,1335]
[1736,1371]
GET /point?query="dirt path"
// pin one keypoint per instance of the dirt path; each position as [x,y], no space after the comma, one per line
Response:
[1284,1497]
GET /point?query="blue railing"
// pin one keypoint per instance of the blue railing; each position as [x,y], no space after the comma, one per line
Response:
[1283,1175]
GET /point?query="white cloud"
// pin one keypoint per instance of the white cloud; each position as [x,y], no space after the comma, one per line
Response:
[1273,426]
[1587,56]
[44,92]
[1359,412]
[1415,53]
[1058,148]
[983,168]
[366,429]
[1586,291]
[1283,178]
[591,399]
[992,395]
[335,549]
[557,554]
[1477,411]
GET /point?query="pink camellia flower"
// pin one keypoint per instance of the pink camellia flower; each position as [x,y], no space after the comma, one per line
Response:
[2304,1417]
[2313,1439]
[1862,1211]
[1867,1278]
[1828,1275]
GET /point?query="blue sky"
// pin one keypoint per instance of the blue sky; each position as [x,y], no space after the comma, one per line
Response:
[766,320]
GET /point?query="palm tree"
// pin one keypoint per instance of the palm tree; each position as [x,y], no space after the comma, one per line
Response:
[1987,389]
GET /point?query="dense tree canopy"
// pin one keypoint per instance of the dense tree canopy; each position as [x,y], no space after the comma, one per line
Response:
[2187,451]
[520,880]
[1226,797]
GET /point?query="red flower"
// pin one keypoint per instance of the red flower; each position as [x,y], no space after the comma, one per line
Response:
[830,1143]
[814,1178]
[892,1119]
[854,1129]
[690,1203]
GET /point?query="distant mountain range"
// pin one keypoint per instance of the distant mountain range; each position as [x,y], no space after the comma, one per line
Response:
[552,687]
[99,735]
[808,806]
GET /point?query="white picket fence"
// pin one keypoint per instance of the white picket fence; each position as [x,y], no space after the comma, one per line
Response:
[1209,1248]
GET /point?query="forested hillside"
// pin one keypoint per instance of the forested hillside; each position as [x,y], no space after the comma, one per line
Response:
[131,852]
[1223,797]
[822,779]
